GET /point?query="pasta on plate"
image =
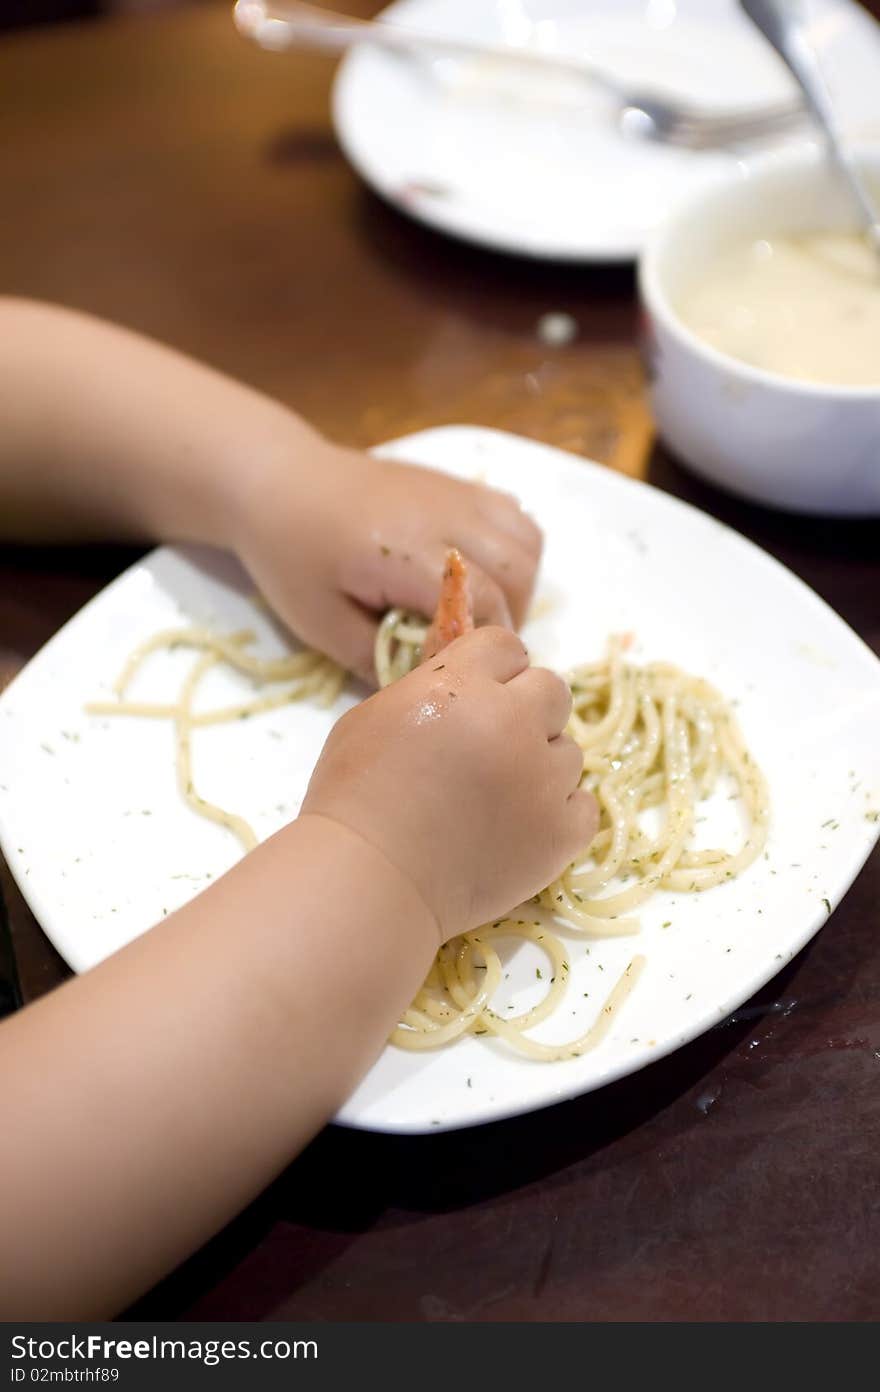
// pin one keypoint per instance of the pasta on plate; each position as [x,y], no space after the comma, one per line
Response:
[656,742]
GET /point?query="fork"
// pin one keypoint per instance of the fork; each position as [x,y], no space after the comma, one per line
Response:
[640,112]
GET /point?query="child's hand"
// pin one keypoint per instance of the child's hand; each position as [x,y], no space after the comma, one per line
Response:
[107,434]
[461,776]
[338,538]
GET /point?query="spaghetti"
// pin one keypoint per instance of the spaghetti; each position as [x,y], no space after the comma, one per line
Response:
[655,741]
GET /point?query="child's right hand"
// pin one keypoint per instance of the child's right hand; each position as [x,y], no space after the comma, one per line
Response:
[460,774]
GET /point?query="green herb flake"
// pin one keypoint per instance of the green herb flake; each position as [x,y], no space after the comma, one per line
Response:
[827,904]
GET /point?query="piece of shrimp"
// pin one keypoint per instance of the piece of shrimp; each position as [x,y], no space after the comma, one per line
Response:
[455,610]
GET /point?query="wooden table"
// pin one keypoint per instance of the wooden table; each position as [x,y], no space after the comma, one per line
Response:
[162,173]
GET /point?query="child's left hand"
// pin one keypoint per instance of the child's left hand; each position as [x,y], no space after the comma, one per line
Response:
[335,538]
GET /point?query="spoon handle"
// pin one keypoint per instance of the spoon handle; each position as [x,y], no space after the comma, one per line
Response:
[784,24]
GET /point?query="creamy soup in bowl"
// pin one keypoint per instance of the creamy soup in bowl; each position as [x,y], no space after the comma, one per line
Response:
[805,306]
[762,314]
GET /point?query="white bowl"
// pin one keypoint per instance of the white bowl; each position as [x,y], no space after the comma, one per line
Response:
[806,446]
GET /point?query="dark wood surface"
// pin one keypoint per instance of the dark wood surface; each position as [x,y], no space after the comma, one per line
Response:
[163,174]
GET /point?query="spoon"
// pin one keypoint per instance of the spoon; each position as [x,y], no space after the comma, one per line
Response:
[784,24]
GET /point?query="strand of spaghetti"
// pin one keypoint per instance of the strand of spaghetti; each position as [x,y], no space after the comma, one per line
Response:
[566,903]
[678,826]
[755,796]
[410,632]
[333,683]
[458,962]
[313,684]
[398,646]
[435,1035]
[559,963]
[145,710]
[229,648]
[552,1053]
[221,716]
[183,728]
[171,638]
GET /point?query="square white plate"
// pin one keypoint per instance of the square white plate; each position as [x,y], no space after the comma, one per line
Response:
[101,845]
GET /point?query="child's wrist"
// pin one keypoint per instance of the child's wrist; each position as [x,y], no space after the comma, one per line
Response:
[359,863]
[276,464]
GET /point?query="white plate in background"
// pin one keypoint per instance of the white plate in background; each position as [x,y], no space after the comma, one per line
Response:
[517,170]
[100,842]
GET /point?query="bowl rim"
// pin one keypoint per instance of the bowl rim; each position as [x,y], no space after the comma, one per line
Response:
[657,303]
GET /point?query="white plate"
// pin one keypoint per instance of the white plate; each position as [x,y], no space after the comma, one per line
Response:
[547,175]
[97,870]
